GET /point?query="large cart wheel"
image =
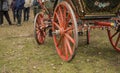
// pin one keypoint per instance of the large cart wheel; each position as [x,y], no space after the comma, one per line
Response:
[65,33]
[114,37]
[39,28]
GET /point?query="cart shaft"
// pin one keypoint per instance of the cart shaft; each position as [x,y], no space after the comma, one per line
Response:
[105,23]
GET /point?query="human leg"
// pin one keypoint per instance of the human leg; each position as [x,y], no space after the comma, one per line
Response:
[25,11]
[14,15]
[1,17]
[28,12]
[7,17]
[35,11]
[19,16]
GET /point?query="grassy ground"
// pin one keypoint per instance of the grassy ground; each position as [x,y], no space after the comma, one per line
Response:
[19,53]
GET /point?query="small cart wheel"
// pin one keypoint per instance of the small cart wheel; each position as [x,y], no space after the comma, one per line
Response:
[65,33]
[39,28]
[114,37]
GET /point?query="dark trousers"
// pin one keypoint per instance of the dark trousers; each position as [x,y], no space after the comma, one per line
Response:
[5,13]
[14,15]
[1,17]
[19,15]
[26,13]
[35,11]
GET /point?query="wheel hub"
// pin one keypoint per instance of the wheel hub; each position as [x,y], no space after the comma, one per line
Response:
[56,32]
[62,31]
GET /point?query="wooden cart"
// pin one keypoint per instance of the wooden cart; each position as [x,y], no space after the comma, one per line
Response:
[67,18]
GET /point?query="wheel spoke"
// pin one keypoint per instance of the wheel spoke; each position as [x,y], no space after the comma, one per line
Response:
[38,21]
[59,51]
[36,27]
[37,32]
[118,38]
[58,18]
[69,28]
[64,17]
[41,19]
[59,40]
[57,25]
[44,33]
[114,34]
[61,16]
[42,22]
[68,18]
[38,35]
[66,50]
[70,38]
[62,49]
[42,38]
[68,46]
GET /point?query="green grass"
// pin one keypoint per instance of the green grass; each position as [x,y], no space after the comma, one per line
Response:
[19,53]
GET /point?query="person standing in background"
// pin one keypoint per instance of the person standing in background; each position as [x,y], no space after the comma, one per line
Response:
[27,5]
[36,7]
[12,6]
[19,5]
[1,12]
[5,9]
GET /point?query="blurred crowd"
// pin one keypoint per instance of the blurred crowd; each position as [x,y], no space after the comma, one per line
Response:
[18,7]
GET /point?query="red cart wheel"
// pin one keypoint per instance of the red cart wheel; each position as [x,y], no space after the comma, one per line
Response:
[65,33]
[114,37]
[39,27]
